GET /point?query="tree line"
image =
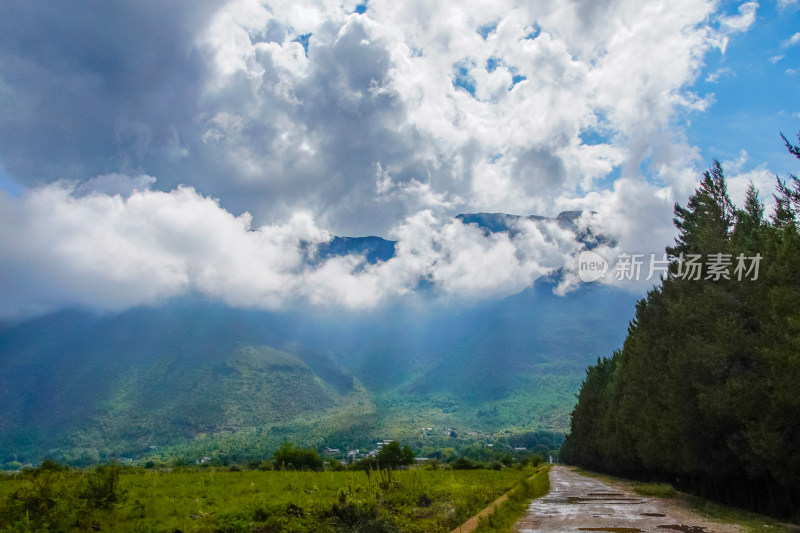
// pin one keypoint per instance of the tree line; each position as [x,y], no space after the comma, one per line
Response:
[705,392]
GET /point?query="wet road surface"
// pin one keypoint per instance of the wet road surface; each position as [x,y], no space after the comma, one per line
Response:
[578,503]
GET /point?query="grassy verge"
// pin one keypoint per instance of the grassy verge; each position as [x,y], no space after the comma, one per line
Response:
[507,514]
[750,522]
[598,475]
[659,490]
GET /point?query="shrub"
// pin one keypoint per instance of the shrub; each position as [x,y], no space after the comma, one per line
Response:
[361,517]
[46,502]
[102,489]
[292,457]
[392,456]
[533,460]
[335,466]
[462,463]
[48,465]
[432,464]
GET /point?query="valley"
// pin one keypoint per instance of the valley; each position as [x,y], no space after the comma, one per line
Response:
[192,377]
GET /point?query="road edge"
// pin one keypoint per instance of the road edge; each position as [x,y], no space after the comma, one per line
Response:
[474,521]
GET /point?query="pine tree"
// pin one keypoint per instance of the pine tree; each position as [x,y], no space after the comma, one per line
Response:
[784,213]
[705,222]
[787,197]
[705,388]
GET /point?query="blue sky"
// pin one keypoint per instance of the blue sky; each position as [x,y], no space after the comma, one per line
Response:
[149,150]
[755,98]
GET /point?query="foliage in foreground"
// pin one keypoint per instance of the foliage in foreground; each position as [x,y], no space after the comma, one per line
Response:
[53,498]
[207,500]
[704,392]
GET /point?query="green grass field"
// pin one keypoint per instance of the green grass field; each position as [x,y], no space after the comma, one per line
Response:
[252,501]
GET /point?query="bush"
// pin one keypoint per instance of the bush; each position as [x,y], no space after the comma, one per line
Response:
[432,464]
[393,456]
[102,487]
[462,463]
[291,457]
[47,502]
[48,465]
[361,517]
[334,466]
[533,460]
[260,465]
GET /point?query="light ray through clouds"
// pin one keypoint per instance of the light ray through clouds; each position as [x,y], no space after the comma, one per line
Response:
[195,148]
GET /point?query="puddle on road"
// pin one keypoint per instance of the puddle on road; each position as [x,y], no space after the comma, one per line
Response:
[613,529]
[684,528]
[555,500]
[654,514]
[595,499]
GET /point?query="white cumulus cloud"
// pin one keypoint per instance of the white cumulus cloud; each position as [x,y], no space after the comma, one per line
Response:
[313,119]
[103,251]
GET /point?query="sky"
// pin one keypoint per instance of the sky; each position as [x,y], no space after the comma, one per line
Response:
[150,150]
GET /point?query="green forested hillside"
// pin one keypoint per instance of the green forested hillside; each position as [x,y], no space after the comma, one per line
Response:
[92,403]
[194,378]
[704,392]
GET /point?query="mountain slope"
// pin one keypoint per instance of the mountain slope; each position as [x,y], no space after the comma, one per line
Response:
[119,383]
[75,381]
[153,376]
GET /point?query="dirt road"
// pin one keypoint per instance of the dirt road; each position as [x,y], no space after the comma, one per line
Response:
[579,503]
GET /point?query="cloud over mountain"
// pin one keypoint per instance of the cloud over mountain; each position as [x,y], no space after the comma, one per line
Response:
[113,252]
[346,118]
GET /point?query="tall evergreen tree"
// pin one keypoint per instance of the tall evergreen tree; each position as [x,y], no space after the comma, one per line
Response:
[704,223]
[787,197]
[704,390]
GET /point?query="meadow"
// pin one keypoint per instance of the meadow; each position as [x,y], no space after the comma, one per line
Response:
[212,500]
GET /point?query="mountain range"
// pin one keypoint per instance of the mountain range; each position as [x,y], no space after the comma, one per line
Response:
[194,375]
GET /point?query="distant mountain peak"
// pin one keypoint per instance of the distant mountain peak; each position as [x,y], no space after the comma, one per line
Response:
[377,249]
[502,222]
[374,248]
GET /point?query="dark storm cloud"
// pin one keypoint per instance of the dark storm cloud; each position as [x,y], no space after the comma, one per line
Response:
[358,123]
[122,87]
[95,87]
[343,123]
